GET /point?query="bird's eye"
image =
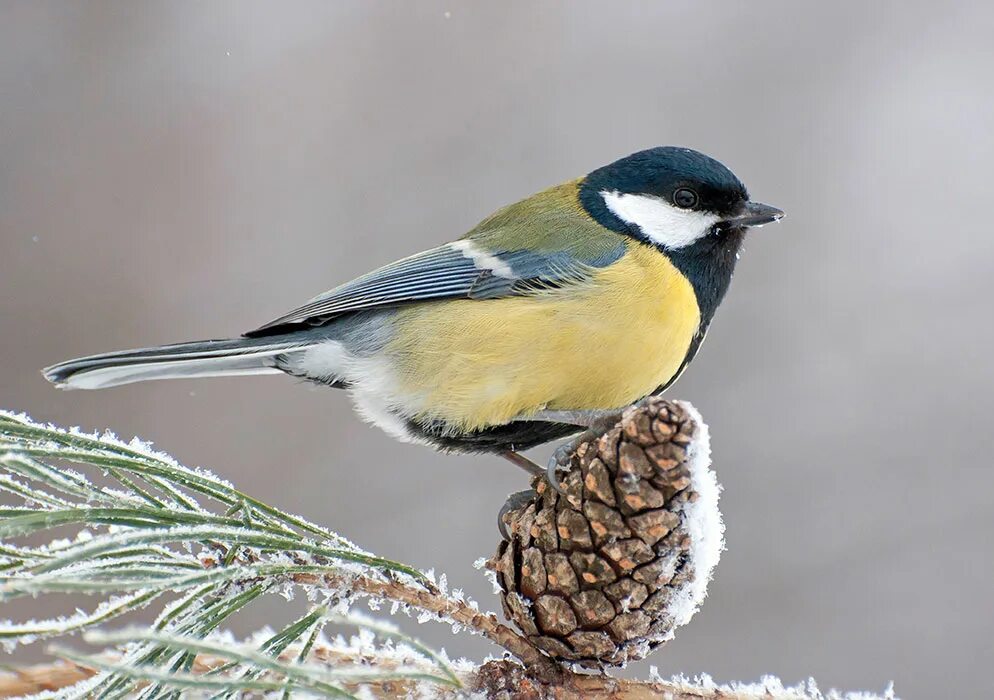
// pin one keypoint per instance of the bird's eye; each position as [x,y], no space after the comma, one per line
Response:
[685,198]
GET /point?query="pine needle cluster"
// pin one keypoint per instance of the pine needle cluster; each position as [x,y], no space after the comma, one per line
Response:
[129,526]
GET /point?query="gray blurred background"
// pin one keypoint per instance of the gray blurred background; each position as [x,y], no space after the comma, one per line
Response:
[179,170]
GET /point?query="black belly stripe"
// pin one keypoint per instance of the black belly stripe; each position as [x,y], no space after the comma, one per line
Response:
[516,435]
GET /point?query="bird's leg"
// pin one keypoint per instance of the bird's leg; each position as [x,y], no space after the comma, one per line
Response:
[513,502]
[519,460]
[592,419]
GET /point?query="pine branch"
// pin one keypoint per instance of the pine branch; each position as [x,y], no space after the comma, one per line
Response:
[495,680]
[157,530]
[90,515]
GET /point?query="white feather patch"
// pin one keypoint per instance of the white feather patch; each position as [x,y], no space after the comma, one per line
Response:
[482,259]
[371,380]
[659,220]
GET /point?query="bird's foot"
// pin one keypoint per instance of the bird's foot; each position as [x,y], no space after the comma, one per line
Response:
[513,502]
[561,457]
[558,460]
[595,421]
[549,472]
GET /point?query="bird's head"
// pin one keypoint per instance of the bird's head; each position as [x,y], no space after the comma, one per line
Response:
[672,198]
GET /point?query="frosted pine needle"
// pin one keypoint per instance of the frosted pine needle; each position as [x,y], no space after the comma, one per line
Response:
[130,527]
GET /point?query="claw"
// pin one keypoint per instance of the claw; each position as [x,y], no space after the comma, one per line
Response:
[560,460]
[513,502]
[551,475]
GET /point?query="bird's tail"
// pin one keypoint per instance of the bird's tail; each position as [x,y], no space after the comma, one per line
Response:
[205,358]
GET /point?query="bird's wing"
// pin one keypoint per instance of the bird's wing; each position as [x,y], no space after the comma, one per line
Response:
[511,253]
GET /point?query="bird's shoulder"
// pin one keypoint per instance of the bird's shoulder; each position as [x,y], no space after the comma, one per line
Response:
[551,222]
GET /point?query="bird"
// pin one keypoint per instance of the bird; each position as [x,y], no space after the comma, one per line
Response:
[545,320]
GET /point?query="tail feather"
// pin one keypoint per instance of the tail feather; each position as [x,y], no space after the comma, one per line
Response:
[206,358]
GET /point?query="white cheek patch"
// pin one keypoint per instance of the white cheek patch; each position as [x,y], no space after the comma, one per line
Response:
[483,260]
[660,221]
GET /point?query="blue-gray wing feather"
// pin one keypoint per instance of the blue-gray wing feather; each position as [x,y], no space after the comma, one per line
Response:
[443,273]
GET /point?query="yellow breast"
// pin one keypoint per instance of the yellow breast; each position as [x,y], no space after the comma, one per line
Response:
[602,345]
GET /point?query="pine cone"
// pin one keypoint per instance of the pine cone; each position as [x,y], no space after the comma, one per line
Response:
[604,574]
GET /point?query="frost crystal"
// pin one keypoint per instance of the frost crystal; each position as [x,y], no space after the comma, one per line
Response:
[704,523]
[491,575]
[767,688]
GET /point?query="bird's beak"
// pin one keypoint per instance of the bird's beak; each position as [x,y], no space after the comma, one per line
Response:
[754,214]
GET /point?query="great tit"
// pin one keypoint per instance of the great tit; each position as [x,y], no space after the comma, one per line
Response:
[550,314]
